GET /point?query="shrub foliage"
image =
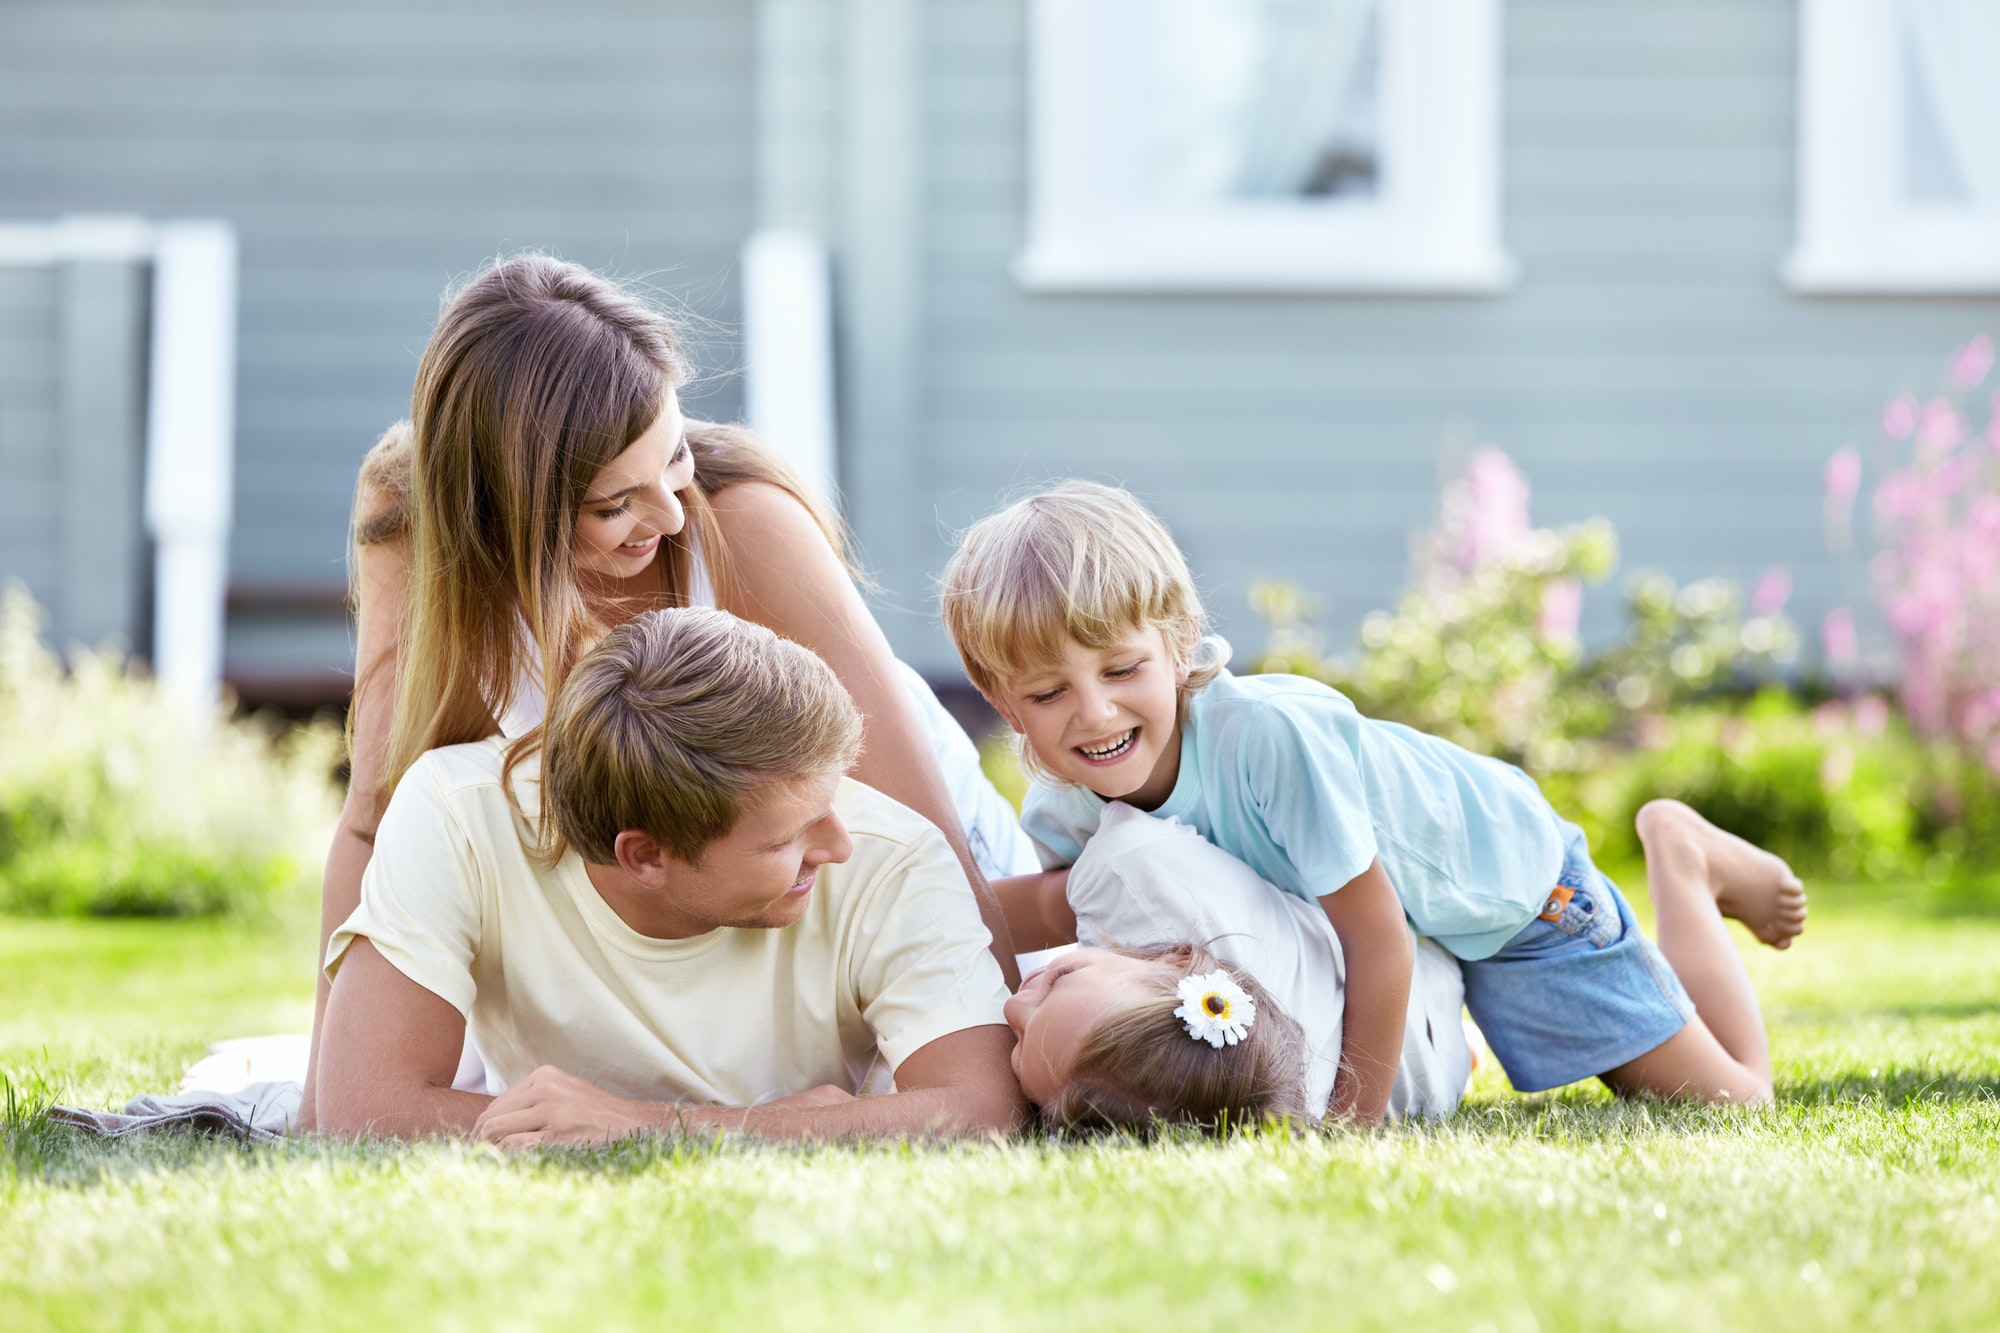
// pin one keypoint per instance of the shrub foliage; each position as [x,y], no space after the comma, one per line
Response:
[117,798]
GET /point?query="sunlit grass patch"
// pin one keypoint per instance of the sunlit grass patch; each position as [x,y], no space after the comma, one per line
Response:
[1865,1198]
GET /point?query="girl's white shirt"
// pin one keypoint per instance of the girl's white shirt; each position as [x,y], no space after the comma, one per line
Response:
[1144,881]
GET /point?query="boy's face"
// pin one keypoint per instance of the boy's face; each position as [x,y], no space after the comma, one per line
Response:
[1107,718]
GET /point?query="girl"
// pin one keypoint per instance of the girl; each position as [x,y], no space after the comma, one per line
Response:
[548,487]
[1115,1037]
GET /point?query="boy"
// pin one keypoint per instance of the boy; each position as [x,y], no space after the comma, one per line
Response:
[1076,616]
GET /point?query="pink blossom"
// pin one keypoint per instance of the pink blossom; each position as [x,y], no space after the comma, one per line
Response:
[1772,591]
[1843,483]
[1972,362]
[1896,495]
[1871,715]
[1830,718]
[1562,609]
[1487,509]
[1899,418]
[1942,429]
[1837,634]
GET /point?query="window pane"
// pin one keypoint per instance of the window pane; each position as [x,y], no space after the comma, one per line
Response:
[1260,99]
[1951,109]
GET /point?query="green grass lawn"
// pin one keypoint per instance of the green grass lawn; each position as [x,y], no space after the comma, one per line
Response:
[1866,1198]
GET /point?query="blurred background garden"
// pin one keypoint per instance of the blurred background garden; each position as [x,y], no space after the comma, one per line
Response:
[1610,388]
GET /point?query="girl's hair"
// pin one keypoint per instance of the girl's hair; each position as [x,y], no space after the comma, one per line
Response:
[538,374]
[1139,1067]
[1078,563]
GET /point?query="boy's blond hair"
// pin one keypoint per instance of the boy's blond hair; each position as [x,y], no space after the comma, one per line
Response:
[1078,563]
[676,719]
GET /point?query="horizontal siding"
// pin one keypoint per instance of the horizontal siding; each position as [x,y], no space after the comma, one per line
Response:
[369,154]
[1649,367]
[30,430]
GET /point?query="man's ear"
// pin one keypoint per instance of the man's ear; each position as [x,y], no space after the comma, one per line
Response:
[641,856]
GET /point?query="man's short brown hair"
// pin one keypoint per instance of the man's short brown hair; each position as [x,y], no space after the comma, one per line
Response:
[677,718]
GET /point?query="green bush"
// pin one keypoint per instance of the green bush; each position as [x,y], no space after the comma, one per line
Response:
[1848,788]
[119,799]
[1482,651]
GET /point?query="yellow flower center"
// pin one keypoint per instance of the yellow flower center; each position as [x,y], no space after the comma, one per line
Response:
[1215,1004]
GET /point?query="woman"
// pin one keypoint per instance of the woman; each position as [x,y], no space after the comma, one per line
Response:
[548,487]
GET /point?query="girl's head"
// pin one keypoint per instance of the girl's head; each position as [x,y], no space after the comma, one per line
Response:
[1104,1040]
[1076,616]
[551,486]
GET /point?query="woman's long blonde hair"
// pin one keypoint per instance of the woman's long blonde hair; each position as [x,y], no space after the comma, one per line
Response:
[539,373]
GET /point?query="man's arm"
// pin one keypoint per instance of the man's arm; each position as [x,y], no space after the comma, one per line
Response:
[1037,909]
[1368,918]
[959,1084]
[388,1052]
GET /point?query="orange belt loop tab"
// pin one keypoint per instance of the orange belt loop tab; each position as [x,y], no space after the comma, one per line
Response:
[1558,899]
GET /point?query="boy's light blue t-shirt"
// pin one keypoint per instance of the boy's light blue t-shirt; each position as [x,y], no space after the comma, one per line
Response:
[1282,773]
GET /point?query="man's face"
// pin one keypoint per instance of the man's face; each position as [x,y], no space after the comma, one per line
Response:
[759,875]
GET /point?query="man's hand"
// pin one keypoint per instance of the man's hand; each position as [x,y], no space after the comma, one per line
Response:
[826,1094]
[549,1106]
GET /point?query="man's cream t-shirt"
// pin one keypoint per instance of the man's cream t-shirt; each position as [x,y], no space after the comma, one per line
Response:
[889,956]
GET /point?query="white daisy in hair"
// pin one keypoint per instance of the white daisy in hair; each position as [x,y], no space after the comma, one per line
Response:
[1215,1009]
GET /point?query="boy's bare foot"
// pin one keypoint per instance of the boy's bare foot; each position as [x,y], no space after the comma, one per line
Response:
[1749,884]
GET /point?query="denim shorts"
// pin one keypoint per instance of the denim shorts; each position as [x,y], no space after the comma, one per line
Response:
[1579,991]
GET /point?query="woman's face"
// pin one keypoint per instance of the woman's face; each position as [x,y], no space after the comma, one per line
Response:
[633,502]
[1058,1007]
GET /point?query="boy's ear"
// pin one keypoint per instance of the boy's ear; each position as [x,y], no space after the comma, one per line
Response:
[1006,713]
[641,856]
[1184,662]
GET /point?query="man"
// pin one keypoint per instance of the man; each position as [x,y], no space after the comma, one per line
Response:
[687,919]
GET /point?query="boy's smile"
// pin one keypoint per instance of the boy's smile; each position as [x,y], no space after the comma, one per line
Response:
[1107,718]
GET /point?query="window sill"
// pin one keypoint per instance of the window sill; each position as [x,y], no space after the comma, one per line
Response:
[1071,269]
[1843,275]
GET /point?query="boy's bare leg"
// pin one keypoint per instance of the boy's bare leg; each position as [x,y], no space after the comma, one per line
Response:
[1697,874]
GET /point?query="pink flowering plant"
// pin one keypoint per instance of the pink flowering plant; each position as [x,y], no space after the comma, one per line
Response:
[1935,572]
[1484,650]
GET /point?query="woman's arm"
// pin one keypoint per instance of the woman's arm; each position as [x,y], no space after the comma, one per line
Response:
[382,572]
[1368,918]
[1037,909]
[784,575]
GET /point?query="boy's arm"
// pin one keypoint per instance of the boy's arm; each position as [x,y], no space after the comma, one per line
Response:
[958,1084]
[388,1052]
[1368,918]
[1037,909]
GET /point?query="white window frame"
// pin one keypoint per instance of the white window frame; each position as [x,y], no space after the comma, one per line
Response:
[1858,233]
[1434,227]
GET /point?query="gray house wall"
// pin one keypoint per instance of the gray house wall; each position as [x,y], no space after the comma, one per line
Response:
[1648,367]
[72,421]
[369,152]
